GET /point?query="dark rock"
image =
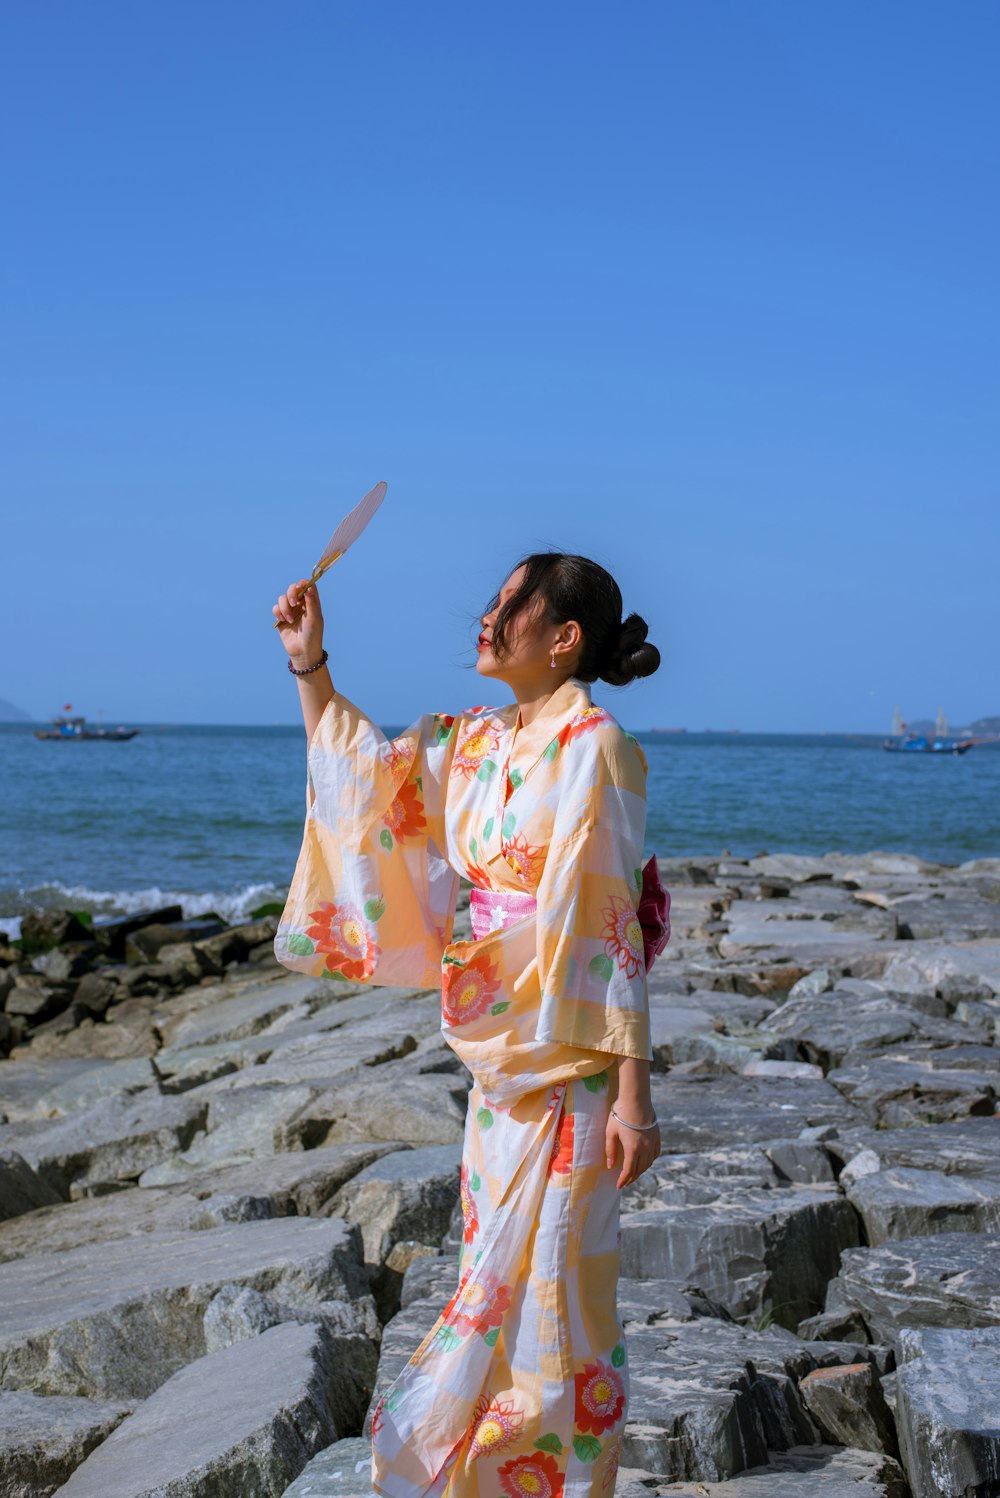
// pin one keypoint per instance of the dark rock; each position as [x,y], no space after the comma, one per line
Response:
[848,1405]
[21,1188]
[948,1412]
[95,993]
[902,1203]
[968,1147]
[144,944]
[697,1114]
[67,963]
[111,932]
[902,1092]
[802,1472]
[36,999]
[44,929]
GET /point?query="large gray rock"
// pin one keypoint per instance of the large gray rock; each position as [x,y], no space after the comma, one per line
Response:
[242,1421]
[343,1470]
[119,1323]
[697,1114]
[21,1188]
[43,1440]
[424,1110]
[848,1405]
[966,1147]
[802,1472]
[948,1412]
[902,1203]
[946,1280]
[854,1017]
[116,1140]
[241,1125]
[905,1092]
[754,1251]
[406,1195]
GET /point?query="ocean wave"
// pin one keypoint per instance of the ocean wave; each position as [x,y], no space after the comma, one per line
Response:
[233,905]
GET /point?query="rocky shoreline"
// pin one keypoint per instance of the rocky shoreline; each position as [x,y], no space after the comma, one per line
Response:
[229,1198]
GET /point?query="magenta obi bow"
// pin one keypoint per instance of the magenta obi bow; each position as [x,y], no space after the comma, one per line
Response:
[653,913]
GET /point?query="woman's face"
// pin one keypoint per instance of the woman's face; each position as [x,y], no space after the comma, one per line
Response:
[529,641]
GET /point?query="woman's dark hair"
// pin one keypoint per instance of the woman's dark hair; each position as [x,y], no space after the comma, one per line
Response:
[572,587]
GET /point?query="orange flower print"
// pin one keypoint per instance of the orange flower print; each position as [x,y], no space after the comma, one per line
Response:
[623,936]
[475,749]
[398,760]
[582,723]
[534,1476]
[561,1162]
[470,1215]
[405,817]
[475,876]
[600,1398]
[466,991]
[347,939]
[525,859]
[481,1303]
[494,1425]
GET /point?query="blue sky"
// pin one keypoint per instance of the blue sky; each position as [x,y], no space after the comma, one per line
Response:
[704,290]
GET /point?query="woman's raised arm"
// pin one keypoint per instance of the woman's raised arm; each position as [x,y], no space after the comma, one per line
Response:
[300,625]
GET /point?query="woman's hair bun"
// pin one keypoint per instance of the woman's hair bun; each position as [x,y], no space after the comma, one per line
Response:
[631,655]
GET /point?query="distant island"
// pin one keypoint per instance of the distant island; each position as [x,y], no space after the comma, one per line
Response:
[11,714]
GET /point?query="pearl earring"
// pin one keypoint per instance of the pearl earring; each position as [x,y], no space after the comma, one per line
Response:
[552,658]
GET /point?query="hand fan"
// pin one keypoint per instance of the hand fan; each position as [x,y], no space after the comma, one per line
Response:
[345,535]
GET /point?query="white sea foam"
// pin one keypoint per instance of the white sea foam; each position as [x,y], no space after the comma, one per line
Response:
[233,905]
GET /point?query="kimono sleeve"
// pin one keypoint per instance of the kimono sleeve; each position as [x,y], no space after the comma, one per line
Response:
[591,963]
[372,898]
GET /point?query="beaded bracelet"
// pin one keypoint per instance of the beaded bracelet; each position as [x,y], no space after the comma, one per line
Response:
[305,670]
[639,1127]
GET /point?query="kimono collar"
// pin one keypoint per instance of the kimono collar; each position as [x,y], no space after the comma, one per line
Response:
[566,702]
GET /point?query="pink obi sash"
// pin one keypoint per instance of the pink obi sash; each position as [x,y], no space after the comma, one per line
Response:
[496,909]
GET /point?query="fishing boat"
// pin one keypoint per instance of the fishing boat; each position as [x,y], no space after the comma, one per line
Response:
[75,728]
[941,742]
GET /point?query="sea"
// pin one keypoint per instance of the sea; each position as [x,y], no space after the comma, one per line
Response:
[211,817]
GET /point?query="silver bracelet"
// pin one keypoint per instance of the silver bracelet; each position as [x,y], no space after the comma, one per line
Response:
[639,1127]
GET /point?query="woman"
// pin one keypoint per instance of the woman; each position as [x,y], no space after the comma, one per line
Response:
[521,1387]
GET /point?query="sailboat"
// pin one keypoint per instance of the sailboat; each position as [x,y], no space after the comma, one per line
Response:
[901,742]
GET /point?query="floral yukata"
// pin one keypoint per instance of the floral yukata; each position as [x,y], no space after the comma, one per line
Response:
[521,1387]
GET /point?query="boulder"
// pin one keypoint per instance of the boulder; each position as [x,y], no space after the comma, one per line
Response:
[42,1440]
[848,1406]
[902,1092]
[801,1472]
[343,1470]
[948,1412]
[117,1324]
[422,1110]
[899,1202]
[945,1280]
[754,1251]
[44,929]
[409,1194]
[971,1146]
[697,1114]
[245,1420]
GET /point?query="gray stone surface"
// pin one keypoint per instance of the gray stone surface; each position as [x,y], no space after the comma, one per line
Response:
[848,1406]
[946,1280]
[905,1092]
[803,1472]
[406,1195]
[899,1202]
[242,1421]
[118,1323]
[21,1188]
[43,1440]
[948,1413]
[696,1115]
[343,1470]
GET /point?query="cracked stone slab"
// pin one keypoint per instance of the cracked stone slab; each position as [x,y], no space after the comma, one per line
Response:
[945,1280]
[42,1440]
[970,1146]
[801,1472]
[245,1420]
[119,1323]
[904,1092]
[751,1250]
[899,1202]
[701,1113]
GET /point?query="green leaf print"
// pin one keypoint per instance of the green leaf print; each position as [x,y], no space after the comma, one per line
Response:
[491,1337]
[473,847]
[475,1183]
[550,1442]
[618,1356]
[516,779]
[601,966]
[484,1118]
[587,1448]
[447,1338]
[300,944]
[326,973]
[486,770]
[443,732]
[487,830]
[420,782]
[508,824]
[596,1083]
[385,838]
[375,909]
[452,961]
[551,750]
[499,1008]
[637,876]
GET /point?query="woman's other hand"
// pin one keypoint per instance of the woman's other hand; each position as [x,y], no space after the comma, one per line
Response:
[634,1150]
[300,622]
